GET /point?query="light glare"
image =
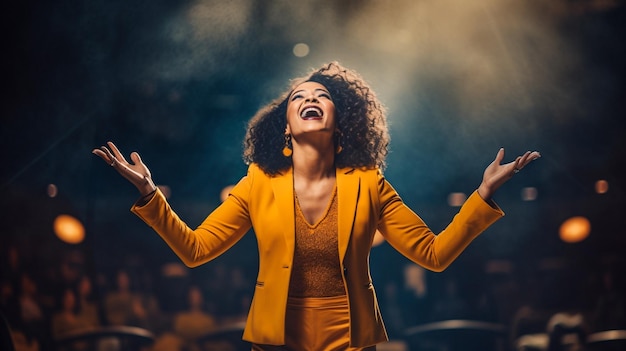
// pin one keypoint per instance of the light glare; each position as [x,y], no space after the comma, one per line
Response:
[602,186]
[575,229]
[529,193]
[301,50]
[69,229]
[52,190]
[225,192]
[456,199]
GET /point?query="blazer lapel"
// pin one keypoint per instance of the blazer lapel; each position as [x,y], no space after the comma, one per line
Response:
[283,193]
[347,196]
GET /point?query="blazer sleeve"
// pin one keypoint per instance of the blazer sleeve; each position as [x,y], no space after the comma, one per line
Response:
[407,233]
[228,223]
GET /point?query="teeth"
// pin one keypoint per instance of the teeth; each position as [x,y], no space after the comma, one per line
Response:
[311,112]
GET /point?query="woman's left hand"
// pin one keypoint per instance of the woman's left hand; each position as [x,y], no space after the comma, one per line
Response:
[497,174]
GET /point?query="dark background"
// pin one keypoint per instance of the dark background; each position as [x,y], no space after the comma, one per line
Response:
[178,81]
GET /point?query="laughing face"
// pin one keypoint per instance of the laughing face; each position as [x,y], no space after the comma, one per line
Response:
[310,111]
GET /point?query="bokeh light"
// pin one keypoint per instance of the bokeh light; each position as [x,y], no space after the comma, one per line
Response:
[529,193]
[69,229]
[602,186]
[456,199]
[52,190]
[301,50]
[225,192]
[575,229]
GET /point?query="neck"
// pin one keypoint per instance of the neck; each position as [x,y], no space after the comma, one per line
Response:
[312,164]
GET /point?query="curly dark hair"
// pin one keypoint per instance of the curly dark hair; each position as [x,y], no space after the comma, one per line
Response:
[361,120]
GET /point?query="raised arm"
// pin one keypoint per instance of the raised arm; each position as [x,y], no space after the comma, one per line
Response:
[219,231]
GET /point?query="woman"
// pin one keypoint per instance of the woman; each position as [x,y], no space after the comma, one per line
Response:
[315,196]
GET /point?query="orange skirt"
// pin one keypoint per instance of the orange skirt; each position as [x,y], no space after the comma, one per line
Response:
[316,324]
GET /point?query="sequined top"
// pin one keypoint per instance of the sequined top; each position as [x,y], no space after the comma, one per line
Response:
[316,268]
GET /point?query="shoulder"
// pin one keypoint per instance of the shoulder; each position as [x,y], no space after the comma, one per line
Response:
[257,177]
[254,170]
[371,176]
[362,172]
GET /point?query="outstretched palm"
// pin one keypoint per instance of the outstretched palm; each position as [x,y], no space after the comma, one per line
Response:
[497,174]
[137,172]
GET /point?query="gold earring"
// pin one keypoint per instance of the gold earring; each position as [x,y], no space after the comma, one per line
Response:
[287,152]
[338,148]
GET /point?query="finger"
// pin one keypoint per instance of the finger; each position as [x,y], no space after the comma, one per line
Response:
[517,162]
[499,156]
[111,160]
[134,156]
[531,157]
[101,154]
[98,152]
[534,155]
[116,151]
[523,160]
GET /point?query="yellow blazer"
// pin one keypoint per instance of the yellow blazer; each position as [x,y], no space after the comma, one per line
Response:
[366,202]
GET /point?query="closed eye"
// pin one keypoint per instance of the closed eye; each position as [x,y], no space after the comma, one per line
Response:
[320,94]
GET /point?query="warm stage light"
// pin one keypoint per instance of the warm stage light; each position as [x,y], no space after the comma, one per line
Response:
[456,199]
[52,190]
[602,186]
[69,229]
[575,229]
[225,192]
[529,194]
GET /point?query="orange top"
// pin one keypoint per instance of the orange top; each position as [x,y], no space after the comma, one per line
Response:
[316,269]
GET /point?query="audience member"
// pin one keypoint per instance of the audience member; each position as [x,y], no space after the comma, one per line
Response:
[118,302]
[68,320]
[88,305]
[165,339]
[415,295]
[195,322]
[31,315]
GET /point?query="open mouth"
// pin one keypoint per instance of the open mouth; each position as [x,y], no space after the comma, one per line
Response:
[311,113]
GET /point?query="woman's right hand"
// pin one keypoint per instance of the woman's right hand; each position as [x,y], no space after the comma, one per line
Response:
[137,172]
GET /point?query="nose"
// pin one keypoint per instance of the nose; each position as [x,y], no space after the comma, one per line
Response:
[311,98]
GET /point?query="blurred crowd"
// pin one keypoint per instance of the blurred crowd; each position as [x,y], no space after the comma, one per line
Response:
[180,307]
[43,305]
